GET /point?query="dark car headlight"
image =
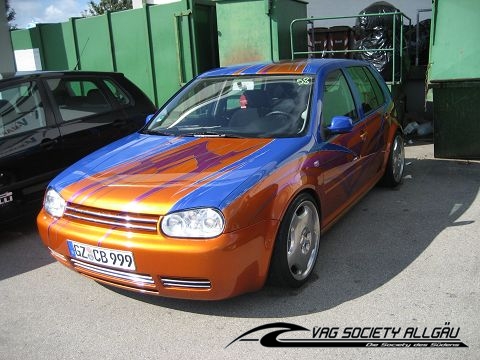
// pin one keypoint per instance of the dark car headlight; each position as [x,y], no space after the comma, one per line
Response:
[194,223]
[54,204]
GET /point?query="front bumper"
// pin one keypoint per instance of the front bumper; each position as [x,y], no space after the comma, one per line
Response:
[204,269]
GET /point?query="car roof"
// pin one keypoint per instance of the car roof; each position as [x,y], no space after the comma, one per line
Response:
[291,67]
[43,73]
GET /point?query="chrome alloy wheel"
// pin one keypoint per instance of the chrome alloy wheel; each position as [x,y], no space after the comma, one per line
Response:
[303,240]
[398,158]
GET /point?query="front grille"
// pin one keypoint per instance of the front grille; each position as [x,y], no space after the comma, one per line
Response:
[186,283]
[112,219]
[133,281]
[118,277]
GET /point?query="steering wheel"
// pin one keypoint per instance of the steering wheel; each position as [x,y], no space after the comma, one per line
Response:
[279,121]
[278,113]
[280,118]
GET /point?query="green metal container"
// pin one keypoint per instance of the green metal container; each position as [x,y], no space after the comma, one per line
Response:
[28,39]
[258,30]
[454,76]
[457,120]
[158,47]
[164,46]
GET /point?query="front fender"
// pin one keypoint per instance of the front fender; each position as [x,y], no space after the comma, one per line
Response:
[269,199]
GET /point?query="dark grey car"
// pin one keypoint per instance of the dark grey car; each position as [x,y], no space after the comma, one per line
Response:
[49,120]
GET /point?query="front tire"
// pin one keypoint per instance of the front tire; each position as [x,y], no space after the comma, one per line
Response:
[296,246]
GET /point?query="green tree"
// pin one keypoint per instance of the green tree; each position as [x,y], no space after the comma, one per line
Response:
[10,12]
[106,5]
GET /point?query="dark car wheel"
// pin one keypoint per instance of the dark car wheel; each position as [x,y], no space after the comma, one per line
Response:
[396,163]
[296,247]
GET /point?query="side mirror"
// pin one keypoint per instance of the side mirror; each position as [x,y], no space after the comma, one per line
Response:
[148,118]
[340,125]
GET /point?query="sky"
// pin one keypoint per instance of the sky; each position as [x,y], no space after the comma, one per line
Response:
[46,11]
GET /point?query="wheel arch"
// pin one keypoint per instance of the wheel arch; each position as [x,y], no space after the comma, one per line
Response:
[276,260]
[308,190]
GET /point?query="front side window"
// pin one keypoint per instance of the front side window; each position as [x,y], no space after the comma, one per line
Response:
[257,106]
[21,109]
[78,98]
[370,92]
[337,99]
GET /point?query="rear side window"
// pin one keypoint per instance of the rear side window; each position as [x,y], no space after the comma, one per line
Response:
[78,98]
[118,93]
[371,94]
[337,98]
[21,109]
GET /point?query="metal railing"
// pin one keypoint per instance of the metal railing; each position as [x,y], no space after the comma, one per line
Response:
[397,45]
[417,34]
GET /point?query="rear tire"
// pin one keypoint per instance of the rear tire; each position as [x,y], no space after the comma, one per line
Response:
[296,246]
[396,163]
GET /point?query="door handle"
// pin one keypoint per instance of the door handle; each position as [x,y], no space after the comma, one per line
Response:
[363,135]
[48,143]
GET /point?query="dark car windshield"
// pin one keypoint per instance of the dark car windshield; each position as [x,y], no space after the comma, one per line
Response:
[257,106]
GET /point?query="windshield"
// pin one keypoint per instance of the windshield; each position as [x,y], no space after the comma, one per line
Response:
[258,106]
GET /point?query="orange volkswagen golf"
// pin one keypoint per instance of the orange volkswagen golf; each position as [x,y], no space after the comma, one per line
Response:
[230,183]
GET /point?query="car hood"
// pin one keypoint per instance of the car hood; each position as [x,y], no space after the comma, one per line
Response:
[155,174]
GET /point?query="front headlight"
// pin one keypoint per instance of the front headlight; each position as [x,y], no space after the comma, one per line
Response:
[54,203]
[195,223]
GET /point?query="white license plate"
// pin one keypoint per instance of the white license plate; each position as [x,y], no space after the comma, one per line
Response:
[118,259]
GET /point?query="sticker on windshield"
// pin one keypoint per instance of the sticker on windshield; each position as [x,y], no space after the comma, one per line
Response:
[304,81]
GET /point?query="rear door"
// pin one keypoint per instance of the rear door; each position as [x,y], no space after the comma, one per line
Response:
[30,143]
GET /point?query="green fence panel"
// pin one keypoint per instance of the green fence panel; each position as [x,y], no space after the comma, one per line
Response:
[284,12]
[94,44]
[70,43]
[162,47]
[206,36]
[27,39]
[54,56]
[131,48]
[48,39]
[155,50]
[456,125]
[171,48]
[256,30]
[23,39]
[454,40]
[454,75]
[244,33]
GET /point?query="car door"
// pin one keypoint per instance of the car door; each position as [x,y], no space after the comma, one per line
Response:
[87,116]
[370,100]
[340,154]
[30,143]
